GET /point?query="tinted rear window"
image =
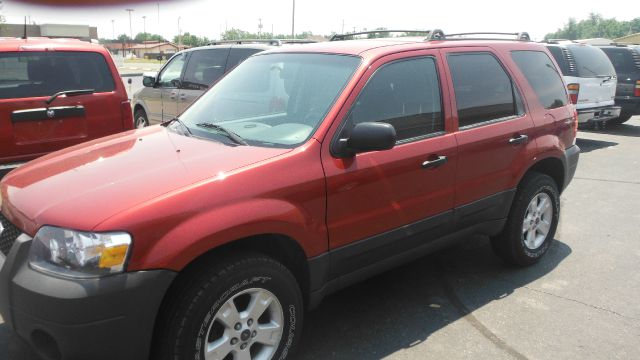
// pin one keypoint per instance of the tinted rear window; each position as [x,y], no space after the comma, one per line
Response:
[591,61]
[621,58]
[560,59]
[32,74]
[542,76]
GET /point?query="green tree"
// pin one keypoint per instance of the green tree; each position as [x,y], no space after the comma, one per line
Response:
[140,37]
[595,26]
[191,40]
[124,38]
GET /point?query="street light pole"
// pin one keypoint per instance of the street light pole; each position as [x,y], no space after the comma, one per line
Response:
[130,28]
[293,21]
[179,35]
[144,31]
[113,29]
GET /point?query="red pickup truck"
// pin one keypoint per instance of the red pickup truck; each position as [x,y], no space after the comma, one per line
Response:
[55,94]
[300,172]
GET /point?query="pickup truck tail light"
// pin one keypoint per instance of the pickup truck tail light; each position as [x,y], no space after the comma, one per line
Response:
[636,91]
[574,90]
[127,115]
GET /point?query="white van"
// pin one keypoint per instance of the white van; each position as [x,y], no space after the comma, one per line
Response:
[591,80]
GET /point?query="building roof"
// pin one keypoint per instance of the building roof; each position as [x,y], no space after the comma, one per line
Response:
[629,39]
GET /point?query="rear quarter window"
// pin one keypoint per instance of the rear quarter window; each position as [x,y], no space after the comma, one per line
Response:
[543,77]
[591,61]
[623,59]
[35,74]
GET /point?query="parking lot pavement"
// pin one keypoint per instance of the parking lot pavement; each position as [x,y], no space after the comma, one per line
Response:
[579,302]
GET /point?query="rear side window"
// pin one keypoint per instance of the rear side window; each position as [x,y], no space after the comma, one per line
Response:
[239,55]
[591,61]
[543,77]
[564,59]
[34,74]
[204,68]
[623,59]
[405,94]
[484,91]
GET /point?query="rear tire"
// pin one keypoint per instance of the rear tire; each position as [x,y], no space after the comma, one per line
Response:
[141,120]
[620,120]
[532,222]
[248,307]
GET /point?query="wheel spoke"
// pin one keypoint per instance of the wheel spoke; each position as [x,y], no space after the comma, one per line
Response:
[228,314]
[242,355]
[544,204]
[268,334]
[259,303]
[525,226]
[218,350]
[544,227]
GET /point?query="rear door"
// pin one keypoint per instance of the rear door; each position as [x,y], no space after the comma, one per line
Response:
[626,61]
[493,136]
[596,76]
[204,68]
[29,126]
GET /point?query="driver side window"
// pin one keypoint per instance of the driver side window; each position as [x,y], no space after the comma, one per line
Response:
[172,72]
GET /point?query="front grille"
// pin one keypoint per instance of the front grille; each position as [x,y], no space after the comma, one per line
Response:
[9,233]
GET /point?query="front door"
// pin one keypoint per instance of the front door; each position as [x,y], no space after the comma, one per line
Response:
[388,202]
[204,68]
[169,82]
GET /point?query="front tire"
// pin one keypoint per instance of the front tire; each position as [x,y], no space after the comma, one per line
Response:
[249,308]
[141,120]
[532,222]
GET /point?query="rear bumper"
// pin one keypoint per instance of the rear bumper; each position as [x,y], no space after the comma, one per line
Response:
[106,318]
[599,114]
[570,159]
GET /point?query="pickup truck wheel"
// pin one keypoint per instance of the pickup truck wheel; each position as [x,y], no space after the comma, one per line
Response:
[141,119]
[247,309]
[622,119]
[532,222]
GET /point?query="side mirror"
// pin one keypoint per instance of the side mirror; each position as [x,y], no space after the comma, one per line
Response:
[176,83]
[368,136]
[149,79]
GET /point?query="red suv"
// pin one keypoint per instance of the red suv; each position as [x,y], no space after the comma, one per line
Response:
[55,94]
[299,173]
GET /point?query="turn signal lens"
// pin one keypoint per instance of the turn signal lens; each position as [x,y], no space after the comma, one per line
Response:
[636,91]
[574,90]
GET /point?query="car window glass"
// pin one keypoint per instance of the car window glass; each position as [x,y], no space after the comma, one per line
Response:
[205,67]
[172,72]
[591,61]
[483,90]
[405,94]
[543,77]
[32,74]
[238,55]
[560,58]
[621,58]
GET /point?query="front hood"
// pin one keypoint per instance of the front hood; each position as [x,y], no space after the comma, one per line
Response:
[82,186]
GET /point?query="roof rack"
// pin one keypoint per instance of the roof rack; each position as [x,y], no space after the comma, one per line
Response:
[347,36]
[276,42]
[437,34]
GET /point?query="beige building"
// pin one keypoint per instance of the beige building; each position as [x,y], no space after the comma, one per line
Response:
[82,32]
[629,39]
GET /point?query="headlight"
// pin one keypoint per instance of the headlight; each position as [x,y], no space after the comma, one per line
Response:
[79,254]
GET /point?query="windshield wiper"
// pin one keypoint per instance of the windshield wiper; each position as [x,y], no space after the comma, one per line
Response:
[230,134]
[69,93]
[166,123]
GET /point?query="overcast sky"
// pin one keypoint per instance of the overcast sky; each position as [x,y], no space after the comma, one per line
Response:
[210,17]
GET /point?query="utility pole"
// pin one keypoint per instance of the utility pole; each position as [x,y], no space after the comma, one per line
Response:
[144,31]
[130,27]
[113,28]
[259,28]
[179,35]
[293,21]
[158,13]
[342,26]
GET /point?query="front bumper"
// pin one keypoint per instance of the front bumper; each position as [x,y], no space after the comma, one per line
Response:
[106,318]
[598,115]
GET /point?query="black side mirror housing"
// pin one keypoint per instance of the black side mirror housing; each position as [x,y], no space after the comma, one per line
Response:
[149,79]
[368,136]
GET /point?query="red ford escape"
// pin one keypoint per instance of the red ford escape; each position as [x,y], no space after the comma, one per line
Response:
[302,171]
[55,94]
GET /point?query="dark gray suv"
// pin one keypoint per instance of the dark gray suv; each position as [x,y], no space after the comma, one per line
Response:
[185,77]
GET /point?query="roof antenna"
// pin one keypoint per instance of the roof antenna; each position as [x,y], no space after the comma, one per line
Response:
[24,37]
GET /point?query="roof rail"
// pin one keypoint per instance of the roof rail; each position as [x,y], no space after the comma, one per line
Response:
[519,36]
[338,37]
[556,41]
[276,42]
[437,34]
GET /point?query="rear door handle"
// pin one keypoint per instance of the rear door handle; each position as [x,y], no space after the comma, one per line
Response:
[183,96]
[174,94]
[521,139]
[441,160]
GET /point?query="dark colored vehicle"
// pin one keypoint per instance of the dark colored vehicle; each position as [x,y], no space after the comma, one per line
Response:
[185,77]
[55,94]
[626,60]
[377,152]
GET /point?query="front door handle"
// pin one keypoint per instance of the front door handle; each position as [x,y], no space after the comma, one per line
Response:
[183,96]
[173,95]
[520,139]
[441,160]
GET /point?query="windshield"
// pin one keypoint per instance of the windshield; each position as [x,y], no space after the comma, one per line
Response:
[275,100]
[591,61]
